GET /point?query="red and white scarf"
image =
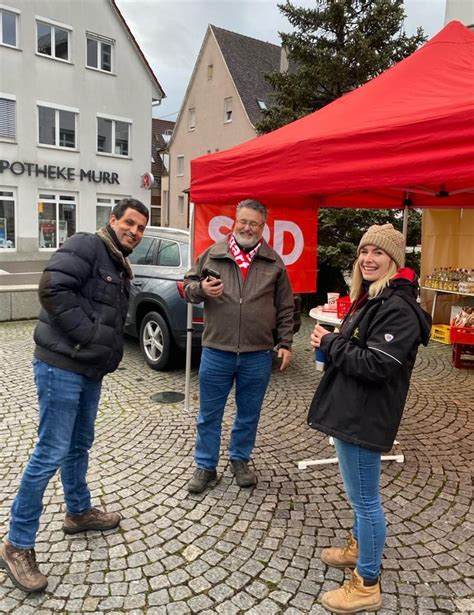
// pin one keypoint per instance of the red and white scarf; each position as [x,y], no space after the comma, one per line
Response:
[243,259]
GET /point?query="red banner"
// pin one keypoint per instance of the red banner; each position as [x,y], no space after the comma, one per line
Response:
[291,232]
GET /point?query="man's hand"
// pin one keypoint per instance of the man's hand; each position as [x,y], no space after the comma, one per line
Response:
[212,287]
[285,355]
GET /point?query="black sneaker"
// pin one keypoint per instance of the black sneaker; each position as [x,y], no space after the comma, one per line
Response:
[201,479]
[243,476]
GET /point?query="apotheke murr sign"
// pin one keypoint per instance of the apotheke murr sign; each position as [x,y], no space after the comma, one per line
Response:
[52,171]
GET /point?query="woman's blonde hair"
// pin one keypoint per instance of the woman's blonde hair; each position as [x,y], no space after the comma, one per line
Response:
[376,287]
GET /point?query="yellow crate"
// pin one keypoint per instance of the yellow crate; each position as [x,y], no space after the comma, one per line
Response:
[440,333]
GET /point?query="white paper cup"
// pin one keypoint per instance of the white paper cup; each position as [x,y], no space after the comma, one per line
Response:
[332,299]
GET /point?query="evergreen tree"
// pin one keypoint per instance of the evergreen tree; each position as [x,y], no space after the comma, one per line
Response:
[334,48]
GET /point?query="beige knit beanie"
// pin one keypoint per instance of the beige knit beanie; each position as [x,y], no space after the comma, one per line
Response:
[387,238]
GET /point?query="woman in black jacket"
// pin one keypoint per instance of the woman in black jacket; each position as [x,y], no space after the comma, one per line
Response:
[361,397]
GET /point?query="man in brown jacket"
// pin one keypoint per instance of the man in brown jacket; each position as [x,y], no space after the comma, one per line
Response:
[247,298]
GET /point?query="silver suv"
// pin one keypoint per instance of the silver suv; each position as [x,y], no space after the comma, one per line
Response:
[157,309]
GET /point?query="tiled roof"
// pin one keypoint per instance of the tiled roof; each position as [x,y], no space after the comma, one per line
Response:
[158,130]
[249,60]
[159,143]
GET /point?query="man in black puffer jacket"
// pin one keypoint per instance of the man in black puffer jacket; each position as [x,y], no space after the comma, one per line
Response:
[79,338]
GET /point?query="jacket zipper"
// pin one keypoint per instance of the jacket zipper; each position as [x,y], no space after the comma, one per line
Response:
[241,300]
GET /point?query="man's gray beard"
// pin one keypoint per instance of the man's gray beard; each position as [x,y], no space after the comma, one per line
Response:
[244,241]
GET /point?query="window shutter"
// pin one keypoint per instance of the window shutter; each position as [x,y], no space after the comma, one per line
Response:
[7,118]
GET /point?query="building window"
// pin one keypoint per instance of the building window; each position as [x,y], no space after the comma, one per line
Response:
[210,71]
[113,136]
[191,119]
[53,41]
[99,52]
[155,215]
[104,209]
[181,205]
[155,207]
[180,161]
[9,27]
[228,109]
[7,220]
[262,104]
[57,127]
[56,219]
[167,135]
[7,117]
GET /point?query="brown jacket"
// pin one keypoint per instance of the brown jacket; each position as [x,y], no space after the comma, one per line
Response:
[244,317]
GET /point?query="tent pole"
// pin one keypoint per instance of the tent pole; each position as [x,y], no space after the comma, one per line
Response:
[406,213]
[405,222]
[189,317]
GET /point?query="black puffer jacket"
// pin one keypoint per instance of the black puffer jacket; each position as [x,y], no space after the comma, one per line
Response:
[84,296]
[362,394]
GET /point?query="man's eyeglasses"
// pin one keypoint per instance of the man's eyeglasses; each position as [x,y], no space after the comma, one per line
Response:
[253,225]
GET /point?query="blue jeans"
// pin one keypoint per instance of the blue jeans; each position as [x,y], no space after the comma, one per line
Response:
[68,405]
[360,470]
[218,371]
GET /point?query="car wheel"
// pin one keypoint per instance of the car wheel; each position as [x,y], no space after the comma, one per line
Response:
[155,340]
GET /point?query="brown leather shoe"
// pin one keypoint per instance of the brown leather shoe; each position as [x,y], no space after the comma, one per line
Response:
[342,557]
[353,597]
[94,519]
[21,567]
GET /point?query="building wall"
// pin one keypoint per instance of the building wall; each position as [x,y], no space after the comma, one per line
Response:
[461,10]
[211,133]
[31,78]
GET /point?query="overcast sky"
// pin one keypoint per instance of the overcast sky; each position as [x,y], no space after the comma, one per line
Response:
[170,32]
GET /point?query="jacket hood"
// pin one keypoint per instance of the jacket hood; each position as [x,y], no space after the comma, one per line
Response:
[405,284]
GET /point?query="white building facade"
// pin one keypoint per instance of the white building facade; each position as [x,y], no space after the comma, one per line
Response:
[76,98]
[461,10]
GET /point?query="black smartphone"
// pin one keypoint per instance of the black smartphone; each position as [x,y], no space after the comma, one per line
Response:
[209,273]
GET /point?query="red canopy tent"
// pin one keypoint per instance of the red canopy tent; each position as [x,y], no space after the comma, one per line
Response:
[404,138]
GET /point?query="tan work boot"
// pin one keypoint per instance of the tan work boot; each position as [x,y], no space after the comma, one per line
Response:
[201,479]
[94,519]
[342,557]
[244,476]
[22,568]
[354,596]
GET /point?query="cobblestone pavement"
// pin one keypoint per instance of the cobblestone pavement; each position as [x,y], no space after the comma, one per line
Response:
[233,550]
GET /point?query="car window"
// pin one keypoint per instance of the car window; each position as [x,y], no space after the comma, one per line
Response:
[185,254]
[143,253]
[168,254]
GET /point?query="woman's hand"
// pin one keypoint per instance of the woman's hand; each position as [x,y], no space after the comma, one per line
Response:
[318,333]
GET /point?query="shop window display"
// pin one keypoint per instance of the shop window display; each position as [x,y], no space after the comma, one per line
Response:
[7,220]
[56,219]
